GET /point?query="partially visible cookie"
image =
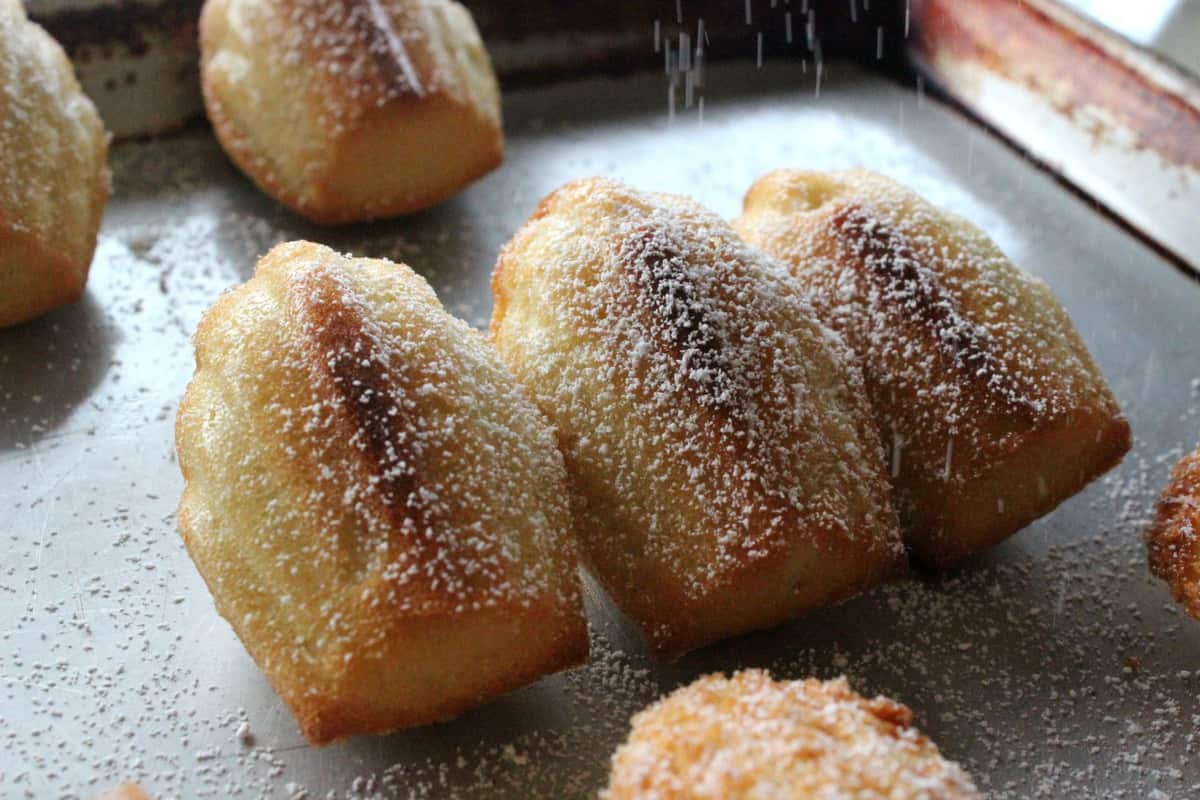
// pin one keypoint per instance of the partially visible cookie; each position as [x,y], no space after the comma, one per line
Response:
[749,736]
[53,173]
[351,109]
[126,791]
[1173,539]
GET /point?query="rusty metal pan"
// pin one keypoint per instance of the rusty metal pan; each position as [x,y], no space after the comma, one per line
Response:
[1116,121]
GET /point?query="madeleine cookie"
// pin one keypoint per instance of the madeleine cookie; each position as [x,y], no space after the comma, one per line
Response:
[1173,538]
[354,109]
[749,736]
[376,507]
[726,471]
[989,405]
[53,173]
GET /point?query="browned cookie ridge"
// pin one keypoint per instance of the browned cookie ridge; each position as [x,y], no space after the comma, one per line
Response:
[1173,538]
[989,404]
[354,109]
[377,508]
[723,462]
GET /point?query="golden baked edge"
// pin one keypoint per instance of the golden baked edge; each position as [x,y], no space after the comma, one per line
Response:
[1173,538]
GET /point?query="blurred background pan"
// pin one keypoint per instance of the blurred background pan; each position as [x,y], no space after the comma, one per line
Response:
[1111,110]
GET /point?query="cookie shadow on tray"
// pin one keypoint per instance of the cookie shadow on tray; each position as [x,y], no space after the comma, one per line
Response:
[49,367]
[992,624]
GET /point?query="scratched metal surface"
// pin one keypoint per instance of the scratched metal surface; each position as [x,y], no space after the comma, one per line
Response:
[1119,123]
[1053,667]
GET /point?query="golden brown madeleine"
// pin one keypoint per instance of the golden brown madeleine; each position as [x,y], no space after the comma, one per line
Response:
[988,403]
[53,173]
[749,736]
[376,507]
[725,468]
[350,110]
[1174,537]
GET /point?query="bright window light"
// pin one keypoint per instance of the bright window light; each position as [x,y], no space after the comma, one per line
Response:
[1139,20]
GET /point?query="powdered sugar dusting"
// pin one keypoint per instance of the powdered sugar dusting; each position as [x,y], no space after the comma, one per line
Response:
[358,464]
[712,423]
[1173,538]
[969,361]
[54,179]
[749,736]
[1055,667]
[928,278]
[364,53]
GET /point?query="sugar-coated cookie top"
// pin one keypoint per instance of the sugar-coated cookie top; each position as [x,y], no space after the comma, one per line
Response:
[717,399]
[748,736]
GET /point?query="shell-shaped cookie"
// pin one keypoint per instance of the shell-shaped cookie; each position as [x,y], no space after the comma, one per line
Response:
[725,468]
[349,110]
[375,505]
[53,172]
[990,407]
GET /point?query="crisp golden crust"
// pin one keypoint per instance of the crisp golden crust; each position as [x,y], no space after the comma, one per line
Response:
[1173,539]
[988,403]
[53,173]
[750,737]
[377,509]
[126,791]
[351,109]
[724,465]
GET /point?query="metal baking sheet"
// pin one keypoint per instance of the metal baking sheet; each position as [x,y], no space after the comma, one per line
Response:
[1118,122]
[1052,667]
